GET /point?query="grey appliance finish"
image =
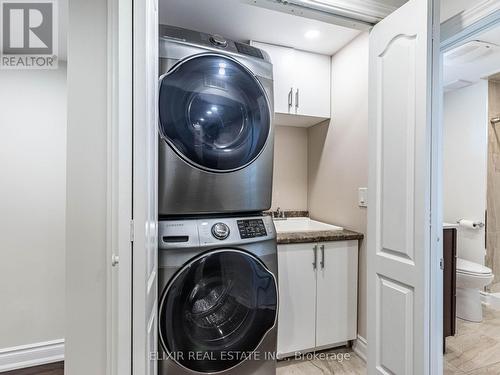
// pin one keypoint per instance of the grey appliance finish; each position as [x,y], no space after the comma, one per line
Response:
[185,247]
[185,186]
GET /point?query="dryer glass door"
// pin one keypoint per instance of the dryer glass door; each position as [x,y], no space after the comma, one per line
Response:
[217,310]
[214,113]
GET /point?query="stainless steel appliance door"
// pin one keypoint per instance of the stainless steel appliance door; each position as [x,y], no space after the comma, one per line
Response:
[217,310]
[214,113]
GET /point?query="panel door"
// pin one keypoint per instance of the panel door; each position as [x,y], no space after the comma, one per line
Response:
[283,60]
[297,298]
[145,189]
[402,59]
[337,298]
[312,84]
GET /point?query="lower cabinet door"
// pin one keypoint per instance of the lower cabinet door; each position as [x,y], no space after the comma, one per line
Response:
[337,299]
[297,298]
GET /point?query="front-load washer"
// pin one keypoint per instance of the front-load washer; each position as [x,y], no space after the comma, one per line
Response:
[219,296]
[215,125]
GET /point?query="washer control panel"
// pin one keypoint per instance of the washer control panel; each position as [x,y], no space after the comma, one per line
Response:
[250,228]
[220,231]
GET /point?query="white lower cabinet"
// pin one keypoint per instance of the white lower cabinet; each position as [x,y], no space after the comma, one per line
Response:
[318,284]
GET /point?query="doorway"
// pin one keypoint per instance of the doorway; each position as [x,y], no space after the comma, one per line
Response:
[471,104]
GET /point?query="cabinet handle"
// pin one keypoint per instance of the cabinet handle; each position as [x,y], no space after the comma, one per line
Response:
[296,100]
[290,97]
[315,250]
[322,247]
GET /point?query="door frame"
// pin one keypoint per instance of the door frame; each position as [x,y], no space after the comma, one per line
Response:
[435,271]
[454,31]
[119,213]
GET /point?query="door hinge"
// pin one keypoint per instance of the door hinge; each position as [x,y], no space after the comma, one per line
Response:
[132,230]
[441,263]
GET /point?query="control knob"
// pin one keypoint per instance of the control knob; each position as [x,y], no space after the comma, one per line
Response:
[220,231]
[218,40]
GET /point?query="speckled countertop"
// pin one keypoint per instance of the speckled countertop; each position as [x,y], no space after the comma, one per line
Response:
[316,236]
[322,236]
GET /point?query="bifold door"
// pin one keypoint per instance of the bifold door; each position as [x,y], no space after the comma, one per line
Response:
[402,60]
[145,201]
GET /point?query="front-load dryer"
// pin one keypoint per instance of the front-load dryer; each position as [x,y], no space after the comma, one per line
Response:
[219,296]
[215,125]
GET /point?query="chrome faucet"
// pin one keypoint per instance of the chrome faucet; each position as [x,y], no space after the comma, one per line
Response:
[279,215]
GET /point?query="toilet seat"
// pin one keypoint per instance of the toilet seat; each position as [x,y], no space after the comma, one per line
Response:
[467,267]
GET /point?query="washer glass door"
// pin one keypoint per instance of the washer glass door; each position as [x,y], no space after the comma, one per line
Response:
[216,310]
[214,113]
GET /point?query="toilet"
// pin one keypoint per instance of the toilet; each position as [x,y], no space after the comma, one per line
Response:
[471,278]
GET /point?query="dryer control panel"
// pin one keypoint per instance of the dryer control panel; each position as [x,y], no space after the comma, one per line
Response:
[251,228]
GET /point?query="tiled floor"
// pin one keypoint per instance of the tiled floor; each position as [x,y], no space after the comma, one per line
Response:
[475,350]
[337,362]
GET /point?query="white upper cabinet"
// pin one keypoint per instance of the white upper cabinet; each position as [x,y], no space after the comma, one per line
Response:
[301,85]
[284,73]
[312,84]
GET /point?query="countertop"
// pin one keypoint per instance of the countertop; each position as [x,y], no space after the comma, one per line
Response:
[322,236]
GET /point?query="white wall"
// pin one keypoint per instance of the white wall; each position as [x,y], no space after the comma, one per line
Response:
[338,160]
[465,164]
[32,205]
[86,329]
[290,168]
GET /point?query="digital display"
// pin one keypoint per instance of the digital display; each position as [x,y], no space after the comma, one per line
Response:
[251,228]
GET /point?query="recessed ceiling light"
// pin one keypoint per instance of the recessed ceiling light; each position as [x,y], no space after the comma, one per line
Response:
[311,34]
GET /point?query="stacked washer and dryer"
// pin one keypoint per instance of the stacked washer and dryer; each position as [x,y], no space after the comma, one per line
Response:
[217,252]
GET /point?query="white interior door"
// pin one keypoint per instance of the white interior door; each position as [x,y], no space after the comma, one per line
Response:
[402,64]
[145,201]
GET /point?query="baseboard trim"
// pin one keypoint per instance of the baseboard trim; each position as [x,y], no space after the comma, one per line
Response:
[359,347]
[31,355]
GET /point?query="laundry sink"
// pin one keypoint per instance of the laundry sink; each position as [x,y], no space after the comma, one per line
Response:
[302,224]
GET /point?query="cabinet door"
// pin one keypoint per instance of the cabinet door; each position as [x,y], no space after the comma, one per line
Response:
[283,75]
[297,298]
[337,297]
[312,84]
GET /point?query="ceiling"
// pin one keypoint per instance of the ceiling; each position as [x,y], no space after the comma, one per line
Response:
[248,22]
[242,22]
[478,68]
[450,8]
